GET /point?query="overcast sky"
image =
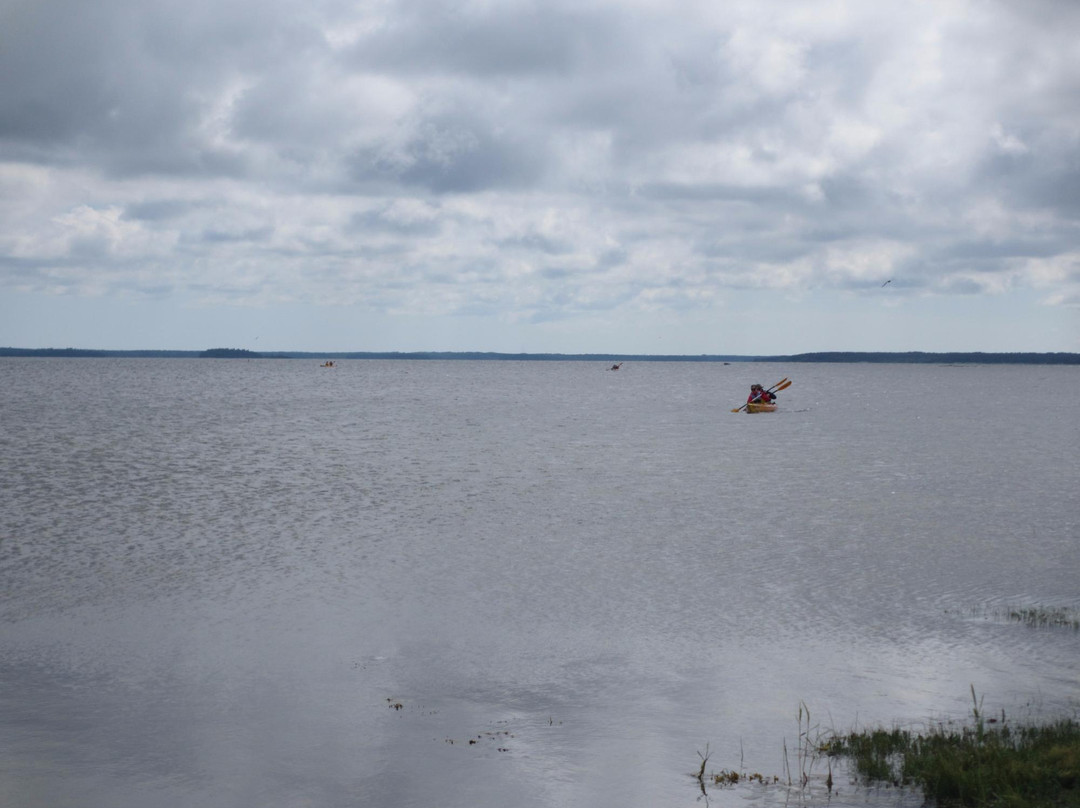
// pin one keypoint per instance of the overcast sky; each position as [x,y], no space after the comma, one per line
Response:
[638,176]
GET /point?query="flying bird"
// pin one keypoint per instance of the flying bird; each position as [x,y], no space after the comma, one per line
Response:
[886,283]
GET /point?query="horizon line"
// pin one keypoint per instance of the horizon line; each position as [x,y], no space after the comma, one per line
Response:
[996,357]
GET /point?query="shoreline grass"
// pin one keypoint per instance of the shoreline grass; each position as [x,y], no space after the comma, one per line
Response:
[989,764]
[986,762]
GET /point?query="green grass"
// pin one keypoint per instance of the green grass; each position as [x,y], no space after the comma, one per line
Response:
[987,765]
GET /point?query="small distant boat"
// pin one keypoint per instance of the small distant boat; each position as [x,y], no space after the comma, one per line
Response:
[328,365]
[760,406]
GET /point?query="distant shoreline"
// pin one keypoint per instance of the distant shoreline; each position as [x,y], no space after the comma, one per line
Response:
[908,357]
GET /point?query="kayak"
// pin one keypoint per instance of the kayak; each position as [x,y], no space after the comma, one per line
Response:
[762,400]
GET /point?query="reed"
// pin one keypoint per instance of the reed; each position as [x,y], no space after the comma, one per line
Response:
[988,764]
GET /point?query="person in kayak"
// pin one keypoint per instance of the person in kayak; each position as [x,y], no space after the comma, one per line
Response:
[760,395]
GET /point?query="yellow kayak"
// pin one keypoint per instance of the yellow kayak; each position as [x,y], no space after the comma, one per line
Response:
[760,407]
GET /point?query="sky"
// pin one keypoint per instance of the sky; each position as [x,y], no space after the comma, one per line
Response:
[573,176]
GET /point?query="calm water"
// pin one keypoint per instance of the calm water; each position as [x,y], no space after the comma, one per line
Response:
[219,578]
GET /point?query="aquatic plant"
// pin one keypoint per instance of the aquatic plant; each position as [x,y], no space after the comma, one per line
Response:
[812,744]
[1033,616]
[1046,617]
[812,747]
[730,777]
[985,764]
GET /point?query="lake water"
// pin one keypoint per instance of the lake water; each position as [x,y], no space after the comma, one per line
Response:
[265,583]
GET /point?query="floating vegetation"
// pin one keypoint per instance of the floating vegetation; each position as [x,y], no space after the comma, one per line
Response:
[500,736]
[1033,616]
[497,738]
[1046,617]
[974,766]
[730,777]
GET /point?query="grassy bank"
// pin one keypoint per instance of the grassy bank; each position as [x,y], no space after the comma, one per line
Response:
[989,764]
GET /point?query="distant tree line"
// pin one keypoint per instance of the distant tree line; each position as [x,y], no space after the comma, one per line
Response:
[911,357]
[229,353]
[96,354]
[919,357]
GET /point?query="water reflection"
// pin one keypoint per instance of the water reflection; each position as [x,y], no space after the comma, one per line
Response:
[592,575]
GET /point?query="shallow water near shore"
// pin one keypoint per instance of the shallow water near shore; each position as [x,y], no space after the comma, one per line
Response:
[470,583]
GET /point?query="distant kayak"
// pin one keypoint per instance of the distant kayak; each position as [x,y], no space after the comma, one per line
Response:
[761,400]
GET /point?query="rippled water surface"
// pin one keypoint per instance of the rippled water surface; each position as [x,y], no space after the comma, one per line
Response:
[265,583]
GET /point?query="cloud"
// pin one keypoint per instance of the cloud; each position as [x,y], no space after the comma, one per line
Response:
[159,210]
[484,40]
[451,154]
[530,158]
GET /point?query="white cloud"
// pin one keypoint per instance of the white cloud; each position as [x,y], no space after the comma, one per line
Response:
[538,160]
[1008,143]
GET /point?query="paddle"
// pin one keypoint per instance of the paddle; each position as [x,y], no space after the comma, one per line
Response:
[783,384]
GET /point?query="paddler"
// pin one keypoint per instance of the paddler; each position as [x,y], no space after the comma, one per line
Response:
[759,394]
